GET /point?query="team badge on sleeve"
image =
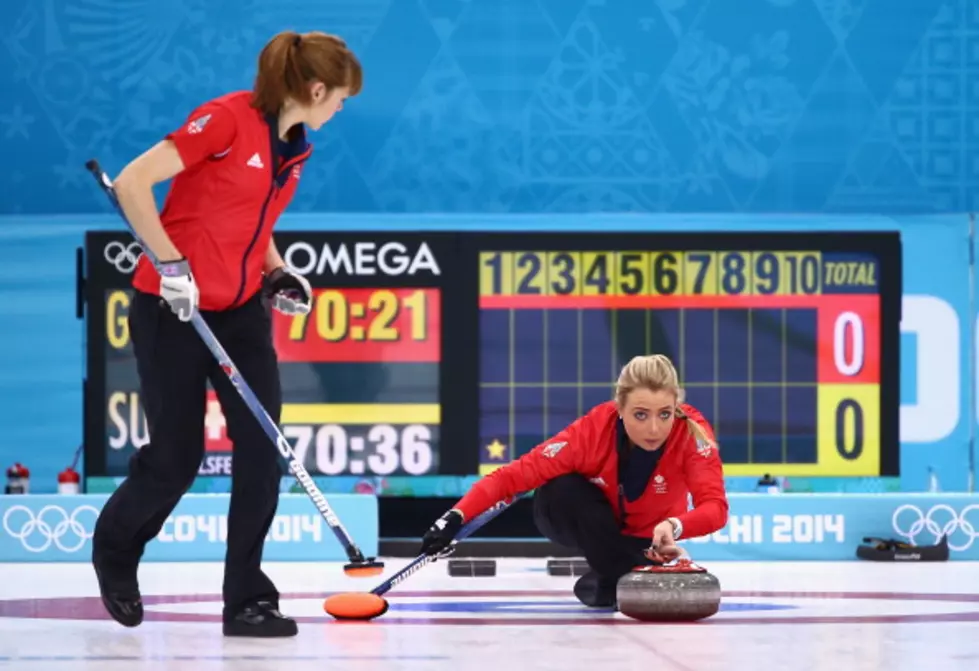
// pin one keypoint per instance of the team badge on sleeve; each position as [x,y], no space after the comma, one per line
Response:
[197,125]
[704,449]
[552,449]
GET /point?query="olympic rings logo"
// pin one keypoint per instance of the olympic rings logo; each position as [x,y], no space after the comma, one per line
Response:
[122,257]
[51,524]
[940,520]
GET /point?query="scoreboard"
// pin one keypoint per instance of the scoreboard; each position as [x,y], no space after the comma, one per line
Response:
[780,349]
[362,373]
[435,353]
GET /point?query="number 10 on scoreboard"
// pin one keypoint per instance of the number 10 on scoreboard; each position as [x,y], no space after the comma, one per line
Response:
[848,398]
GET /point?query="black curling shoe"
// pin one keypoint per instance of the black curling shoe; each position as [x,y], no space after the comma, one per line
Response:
[261,620]
[596,592]
[124,604]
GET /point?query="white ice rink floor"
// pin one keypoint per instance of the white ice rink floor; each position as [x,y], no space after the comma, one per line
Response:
[850,616]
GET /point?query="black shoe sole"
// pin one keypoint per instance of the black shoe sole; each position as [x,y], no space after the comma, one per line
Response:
[122,614]
[126,612]
[591,593]
[278,629]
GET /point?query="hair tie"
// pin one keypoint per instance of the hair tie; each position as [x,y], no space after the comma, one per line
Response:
[296,40]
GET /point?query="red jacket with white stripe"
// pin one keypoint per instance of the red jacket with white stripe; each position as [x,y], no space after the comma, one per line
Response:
[589,446]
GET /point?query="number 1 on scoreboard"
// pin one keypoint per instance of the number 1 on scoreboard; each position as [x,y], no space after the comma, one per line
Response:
[495,274]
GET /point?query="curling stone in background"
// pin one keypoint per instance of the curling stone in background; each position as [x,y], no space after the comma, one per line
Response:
[678,592]
[567,567]
[472,568]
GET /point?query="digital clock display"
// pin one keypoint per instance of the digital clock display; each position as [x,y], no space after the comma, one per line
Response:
[364,324]
[361,374]
[452,353]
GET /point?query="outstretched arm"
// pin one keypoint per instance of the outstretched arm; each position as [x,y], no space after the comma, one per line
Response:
[545,462]
[561,454]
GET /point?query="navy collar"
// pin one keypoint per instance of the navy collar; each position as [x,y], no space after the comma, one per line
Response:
[285,151]
[623,446]
[288,149]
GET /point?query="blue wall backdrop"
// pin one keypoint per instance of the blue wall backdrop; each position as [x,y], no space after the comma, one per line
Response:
[506,106]
[528,105]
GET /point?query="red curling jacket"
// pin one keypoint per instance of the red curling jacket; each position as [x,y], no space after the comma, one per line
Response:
[590,446]
[220,210]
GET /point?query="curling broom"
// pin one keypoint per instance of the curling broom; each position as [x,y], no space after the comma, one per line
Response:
[367,606]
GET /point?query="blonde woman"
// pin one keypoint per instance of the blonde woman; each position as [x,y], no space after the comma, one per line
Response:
[614,484]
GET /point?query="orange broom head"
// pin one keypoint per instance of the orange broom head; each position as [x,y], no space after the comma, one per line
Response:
[365,569]
[355,606]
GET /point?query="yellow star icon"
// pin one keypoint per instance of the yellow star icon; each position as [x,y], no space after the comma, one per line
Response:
[496,449]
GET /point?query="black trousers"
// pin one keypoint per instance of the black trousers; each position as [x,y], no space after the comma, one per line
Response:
[572,512]
[174,366]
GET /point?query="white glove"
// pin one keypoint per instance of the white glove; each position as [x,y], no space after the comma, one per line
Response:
[290,291]
[178,288]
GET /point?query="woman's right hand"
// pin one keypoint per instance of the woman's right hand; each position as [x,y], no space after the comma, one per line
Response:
[441,534]
[664,548]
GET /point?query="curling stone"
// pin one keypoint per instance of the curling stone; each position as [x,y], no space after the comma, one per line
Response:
[679,592]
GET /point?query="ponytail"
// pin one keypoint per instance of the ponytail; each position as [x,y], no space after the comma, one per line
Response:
[696,430]
[291,61]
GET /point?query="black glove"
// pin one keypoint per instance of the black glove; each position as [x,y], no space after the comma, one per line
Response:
[440,535]
[290,291]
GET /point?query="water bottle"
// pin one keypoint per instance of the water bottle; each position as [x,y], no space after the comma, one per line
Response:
[768,485]
[18,480]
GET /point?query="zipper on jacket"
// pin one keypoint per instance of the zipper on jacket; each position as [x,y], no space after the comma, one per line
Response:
[273,186]
[251,245]
[622,524]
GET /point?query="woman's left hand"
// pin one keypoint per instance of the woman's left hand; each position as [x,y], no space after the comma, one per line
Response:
[664,548]
[290,291]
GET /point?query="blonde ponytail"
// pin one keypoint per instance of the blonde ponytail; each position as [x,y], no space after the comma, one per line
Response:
[696,430]
[656,372]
